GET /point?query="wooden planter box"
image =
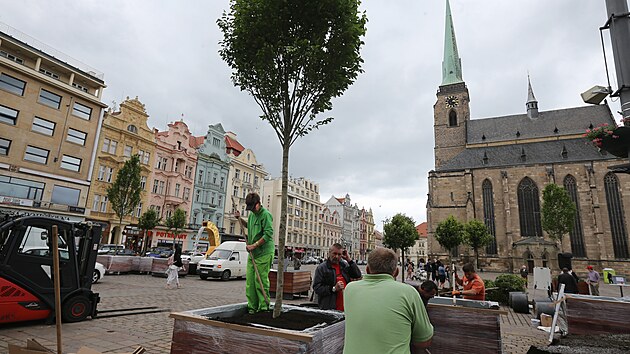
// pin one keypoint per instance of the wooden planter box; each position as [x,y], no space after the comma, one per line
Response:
[194,333]
[597,315]
[160,265]
[454,325]
[296,283]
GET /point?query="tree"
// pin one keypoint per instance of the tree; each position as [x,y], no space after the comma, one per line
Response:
[149,220]
[400,233]
[293,57]
[476,236]
[176,222]
[449,234]
[558,212]
[124,194]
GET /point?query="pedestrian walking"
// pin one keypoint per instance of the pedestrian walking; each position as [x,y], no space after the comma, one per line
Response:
[593,281]
[524,274]
[174,265]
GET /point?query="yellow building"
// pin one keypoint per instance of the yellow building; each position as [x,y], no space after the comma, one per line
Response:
[50,113]
[124,133]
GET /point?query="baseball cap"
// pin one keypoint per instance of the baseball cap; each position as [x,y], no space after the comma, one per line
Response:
[250,206]
[589,267]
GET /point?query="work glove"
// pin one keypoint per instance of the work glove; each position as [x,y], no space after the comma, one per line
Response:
[456,292]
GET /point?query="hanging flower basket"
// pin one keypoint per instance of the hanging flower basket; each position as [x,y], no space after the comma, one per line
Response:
[617,143]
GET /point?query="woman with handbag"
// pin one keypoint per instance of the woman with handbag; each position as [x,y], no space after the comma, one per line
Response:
[174,265]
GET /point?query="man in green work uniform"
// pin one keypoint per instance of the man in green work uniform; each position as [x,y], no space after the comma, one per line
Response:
[261,247]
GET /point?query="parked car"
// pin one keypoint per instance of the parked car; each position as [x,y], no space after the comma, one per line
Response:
[106,248]
[310,260]
[193,257]
[99,272]
[122,252]
[228,260]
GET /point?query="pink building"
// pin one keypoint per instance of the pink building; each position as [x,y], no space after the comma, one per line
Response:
[174,171]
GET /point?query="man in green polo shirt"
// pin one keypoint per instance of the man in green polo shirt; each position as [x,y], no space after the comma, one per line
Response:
[382,315]
[260,244]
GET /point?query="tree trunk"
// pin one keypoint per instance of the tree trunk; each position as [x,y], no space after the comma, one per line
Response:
[476,259]
[282,229]
[402,274]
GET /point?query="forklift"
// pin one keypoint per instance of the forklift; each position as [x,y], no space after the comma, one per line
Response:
[26,269]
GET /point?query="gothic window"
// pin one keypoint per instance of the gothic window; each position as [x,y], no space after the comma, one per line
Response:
[488,215]
[529,208]
[576,235]
[452,118]
[615,215]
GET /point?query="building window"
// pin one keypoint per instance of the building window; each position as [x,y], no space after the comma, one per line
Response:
[197,195]
[76,136]
[128,150]
[200,177]
[21,188]
[11,84]
[220,200]
[222,181]
[70,163]
[95,202]
[109,146]
[188,171]
[101,173]
[237,173]
[143,182]
[216,142]
[65,195]
[614,204]
[452,118]
[103,204]
[132,128]
[576,235]
[488,214]
[49,99]
[186,193]
[161,163]
[82,88]
[49,73]
[36,154]
[11,57]
[161,188]
[144,157]
[139,210]
[81,111]
[155,185]
[529,208]
[177,187]
[235,193]
[109,174]
[43,126]
[5,145]
[8,115]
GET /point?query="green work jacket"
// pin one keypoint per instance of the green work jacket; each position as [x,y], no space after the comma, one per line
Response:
[259,225]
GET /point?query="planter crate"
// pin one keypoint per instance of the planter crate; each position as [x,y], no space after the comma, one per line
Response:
[296,282]
[160,265]
[598,314]
[194,333]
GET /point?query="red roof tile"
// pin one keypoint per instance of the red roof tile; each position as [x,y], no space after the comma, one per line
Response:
[196,141]
[422,229]
[233,144]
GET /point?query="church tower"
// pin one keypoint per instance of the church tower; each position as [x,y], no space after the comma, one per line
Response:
[451,112]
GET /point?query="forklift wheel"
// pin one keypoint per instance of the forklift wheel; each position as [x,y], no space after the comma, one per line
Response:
[76,309]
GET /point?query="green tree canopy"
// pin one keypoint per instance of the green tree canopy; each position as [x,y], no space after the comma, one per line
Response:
[476,236]
[400,233]
[449,233]
[558,212]
[293,57]
[125,193]
[149,220]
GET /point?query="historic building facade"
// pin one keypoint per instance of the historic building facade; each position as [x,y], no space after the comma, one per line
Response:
[331,227]
[366,233]
[172,178]
[349,222]
[213,166]
[494,170]
[304,226]
[246,176]
[124,133]
[50,115]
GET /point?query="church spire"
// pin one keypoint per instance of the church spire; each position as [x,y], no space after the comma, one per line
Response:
[451,65]
[532,104]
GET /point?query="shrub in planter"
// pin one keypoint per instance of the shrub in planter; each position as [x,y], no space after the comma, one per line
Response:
[491,295]
[505,284]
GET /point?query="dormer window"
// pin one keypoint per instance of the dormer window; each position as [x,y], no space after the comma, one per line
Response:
[132,128]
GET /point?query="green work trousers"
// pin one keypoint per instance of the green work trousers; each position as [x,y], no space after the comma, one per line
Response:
[255,298]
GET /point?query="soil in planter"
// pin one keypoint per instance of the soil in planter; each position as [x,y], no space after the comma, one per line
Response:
[293,320]
[591,344]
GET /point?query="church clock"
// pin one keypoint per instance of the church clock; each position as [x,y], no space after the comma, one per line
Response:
[451,101]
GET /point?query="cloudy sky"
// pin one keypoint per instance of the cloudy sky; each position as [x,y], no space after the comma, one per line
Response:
[379,148]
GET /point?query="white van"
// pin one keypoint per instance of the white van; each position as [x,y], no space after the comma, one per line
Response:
[228,260]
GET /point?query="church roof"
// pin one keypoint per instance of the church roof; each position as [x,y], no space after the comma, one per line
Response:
[451,64]
[568,121]
[543,152]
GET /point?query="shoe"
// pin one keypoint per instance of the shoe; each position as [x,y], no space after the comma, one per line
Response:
[179,286]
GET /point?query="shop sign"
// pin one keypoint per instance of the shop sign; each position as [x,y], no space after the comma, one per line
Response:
[165,234]
[22,212]
[16,201]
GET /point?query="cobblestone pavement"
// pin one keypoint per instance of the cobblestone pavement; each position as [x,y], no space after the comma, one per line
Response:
[154,331]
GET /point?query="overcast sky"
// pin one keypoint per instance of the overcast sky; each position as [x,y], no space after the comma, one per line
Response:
[379,148]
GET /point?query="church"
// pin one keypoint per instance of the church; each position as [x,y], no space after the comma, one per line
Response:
[495,169]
